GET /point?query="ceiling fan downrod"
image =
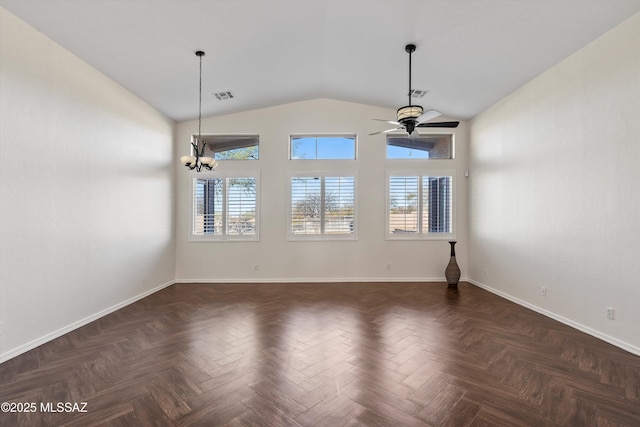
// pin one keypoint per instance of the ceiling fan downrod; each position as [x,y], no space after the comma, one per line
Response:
[410,48]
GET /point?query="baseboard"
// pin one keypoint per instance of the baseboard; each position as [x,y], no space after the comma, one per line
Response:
[75,325]
[319,280]
[587,330]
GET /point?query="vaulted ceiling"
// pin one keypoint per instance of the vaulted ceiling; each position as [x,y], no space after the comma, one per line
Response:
[470,53]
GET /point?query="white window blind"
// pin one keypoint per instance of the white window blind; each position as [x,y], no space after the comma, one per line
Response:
[339,205]
[437,204]
[306,202]
[225,208]
[322,207]
[207,206]
[403,211]
[420,206]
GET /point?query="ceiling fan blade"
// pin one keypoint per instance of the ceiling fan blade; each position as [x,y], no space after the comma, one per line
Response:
[439,125]
[387,121]
[385,131]
[428,115]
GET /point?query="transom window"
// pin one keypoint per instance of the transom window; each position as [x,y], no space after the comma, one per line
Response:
[322,147]
[232,147]
[322,207]
[419,206]
[224,207]
[422,146]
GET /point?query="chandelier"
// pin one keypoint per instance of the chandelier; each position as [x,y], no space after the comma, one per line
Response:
[197,160]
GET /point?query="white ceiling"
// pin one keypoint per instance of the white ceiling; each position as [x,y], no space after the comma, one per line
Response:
[470,53]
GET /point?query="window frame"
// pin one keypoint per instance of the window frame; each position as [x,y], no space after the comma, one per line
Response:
[420,174]
[225,237]
[352,135]
[209,137]
[452,135]
[291,236]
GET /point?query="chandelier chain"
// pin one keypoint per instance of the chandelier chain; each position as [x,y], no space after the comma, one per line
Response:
[200,101]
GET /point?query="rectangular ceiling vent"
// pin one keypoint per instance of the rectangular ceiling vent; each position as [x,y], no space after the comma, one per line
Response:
[224,95]
[418,93]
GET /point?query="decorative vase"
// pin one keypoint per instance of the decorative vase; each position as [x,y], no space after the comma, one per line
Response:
[452,272]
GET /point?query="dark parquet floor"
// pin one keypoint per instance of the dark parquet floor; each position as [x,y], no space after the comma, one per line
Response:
[324,354]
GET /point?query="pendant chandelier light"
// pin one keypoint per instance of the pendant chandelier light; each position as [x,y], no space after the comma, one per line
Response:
[197,160]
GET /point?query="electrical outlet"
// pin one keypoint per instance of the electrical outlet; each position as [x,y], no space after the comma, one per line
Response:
[256,267]
[388,266]
[544,291]
[610,313]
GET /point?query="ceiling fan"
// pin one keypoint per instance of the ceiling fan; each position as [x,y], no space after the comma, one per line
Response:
[413,116]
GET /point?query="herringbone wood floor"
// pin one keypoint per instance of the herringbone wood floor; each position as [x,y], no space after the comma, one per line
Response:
[326,354]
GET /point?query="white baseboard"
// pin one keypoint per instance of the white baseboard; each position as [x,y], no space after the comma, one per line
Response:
[75,325]
[587,330]
[319,280]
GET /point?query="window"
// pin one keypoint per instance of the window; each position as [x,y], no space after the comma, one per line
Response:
[232,147]
[325,147]
[224,208]
[419,206]
[322,207]
[432,146]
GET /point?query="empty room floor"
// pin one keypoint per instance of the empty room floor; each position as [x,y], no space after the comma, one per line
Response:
[323,354]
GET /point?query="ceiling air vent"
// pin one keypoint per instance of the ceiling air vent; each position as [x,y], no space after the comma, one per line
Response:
[418,93]
[224,95]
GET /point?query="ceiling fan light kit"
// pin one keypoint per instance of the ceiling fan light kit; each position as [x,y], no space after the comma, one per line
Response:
[197,160]
[409,112]
[411,116]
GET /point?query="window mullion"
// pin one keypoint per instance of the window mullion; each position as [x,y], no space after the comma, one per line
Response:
[420,204]
[322,205]
[225,195]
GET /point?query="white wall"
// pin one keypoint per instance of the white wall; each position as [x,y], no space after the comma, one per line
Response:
[86,192]
[282,260]
[554,197]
